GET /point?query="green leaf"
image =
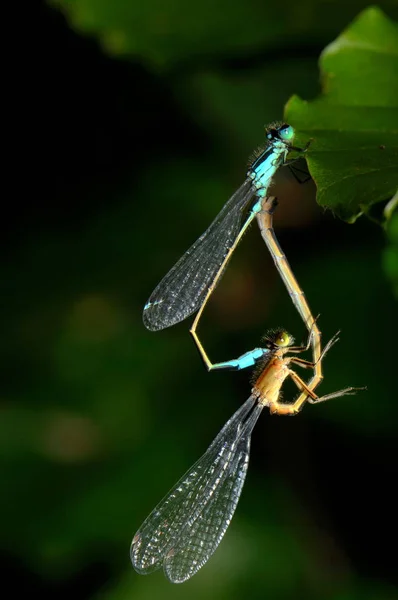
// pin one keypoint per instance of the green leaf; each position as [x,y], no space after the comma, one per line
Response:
[164,33]
[390,257]
[353,157]
[168,33]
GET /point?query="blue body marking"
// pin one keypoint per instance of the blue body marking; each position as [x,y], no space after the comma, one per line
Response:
[248,359]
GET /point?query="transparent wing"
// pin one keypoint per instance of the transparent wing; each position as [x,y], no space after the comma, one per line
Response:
[183,289]
[203,532]
[166,526]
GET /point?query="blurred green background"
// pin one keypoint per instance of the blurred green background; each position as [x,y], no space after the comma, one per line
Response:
[137,125]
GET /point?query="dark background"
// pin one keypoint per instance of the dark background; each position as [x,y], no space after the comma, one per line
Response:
[121,165]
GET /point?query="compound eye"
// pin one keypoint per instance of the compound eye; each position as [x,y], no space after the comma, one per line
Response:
[283,339]
[286,133]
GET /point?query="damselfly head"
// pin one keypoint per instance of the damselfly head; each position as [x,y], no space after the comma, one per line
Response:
[280,131]
[278,338]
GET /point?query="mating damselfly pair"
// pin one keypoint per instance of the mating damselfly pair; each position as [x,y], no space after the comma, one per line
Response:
[184,530]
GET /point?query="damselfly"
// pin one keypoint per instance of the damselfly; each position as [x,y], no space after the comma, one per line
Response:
[182,291]
[184,530]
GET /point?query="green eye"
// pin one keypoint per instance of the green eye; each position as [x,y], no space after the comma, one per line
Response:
[287,133]
[283,339]
[278,338]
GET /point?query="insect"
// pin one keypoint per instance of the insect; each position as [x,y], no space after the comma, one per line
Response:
[182,291]
[184,530]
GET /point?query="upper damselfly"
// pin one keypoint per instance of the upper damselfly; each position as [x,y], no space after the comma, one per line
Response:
[182,291]
[184,530]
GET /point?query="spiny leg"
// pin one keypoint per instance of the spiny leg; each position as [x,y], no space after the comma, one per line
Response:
[294,170]
[307,395]
[348,391]
[307,390]
[305,347]
[311,397]
[307,364]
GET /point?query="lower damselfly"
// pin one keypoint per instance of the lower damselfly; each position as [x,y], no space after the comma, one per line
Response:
[186,527]
[182,291]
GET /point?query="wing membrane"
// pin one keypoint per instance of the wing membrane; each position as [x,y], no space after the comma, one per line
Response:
[166,527]
[203,532]
[183,289]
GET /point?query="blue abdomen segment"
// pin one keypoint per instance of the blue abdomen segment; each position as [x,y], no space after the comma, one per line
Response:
[248,359]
